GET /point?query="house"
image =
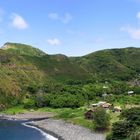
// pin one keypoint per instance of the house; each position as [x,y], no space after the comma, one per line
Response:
[94,105]
[89,114]
[106,105]
[102,104]
[99,104]
[117,109]
[130,92]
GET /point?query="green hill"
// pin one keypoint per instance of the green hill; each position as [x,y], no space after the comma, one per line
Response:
[119,64]
[22,49]
[24,68]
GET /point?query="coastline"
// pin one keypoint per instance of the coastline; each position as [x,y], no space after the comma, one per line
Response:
[46,131]
[67,131]
[48,135]
[30,116]
[56,128]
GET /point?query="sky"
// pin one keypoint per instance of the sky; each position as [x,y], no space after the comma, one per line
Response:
[71,27]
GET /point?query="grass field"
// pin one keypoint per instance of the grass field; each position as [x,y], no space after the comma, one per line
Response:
[76,116]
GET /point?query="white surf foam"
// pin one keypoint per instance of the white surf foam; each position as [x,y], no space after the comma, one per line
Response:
[47,136]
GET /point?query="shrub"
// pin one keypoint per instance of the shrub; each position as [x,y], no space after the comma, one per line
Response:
[137,90]
[66,100]
[126,128]
[122,129]
[101,119]
[132,115]
[29,103]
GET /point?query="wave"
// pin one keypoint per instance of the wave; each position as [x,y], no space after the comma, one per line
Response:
[47,136]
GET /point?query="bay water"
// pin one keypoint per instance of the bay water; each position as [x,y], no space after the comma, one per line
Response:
[19,130]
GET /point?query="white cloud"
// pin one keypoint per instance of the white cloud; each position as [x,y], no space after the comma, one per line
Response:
[53,16]
[134,33]
[65,19]
[54,41]
[18,22]
[138,15]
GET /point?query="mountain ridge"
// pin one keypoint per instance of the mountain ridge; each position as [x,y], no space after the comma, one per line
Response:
[26,67]
[104,60]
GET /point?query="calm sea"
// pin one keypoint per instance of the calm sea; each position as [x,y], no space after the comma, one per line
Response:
[18,130]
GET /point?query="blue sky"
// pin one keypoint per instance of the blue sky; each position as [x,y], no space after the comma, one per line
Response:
[71,27]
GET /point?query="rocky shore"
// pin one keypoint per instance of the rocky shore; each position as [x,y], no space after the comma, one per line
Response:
[27,116]
[67,131]
[57,128]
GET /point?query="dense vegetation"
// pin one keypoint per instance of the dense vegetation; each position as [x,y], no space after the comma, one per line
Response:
[128,126]
[26,71]
[119,64]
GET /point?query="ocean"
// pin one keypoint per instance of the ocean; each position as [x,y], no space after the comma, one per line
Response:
[19,130]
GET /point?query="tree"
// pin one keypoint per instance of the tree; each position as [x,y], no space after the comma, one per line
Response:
[120,130]
[137,90]
[101,119]
[28,103]
[127,128]
[119,88]
[132,115]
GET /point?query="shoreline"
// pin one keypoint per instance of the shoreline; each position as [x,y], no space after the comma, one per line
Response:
[67,131]
[46,131]
[29,116]
[48,135]
[30,120]
[58,129]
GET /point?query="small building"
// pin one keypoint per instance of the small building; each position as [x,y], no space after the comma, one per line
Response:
[117,109]
[89,114]
[130,92]
[102,104]
[106,105]
[94,105]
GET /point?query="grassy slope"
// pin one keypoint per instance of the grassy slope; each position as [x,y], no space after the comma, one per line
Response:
[122,64]
[115,63]
[22,49]
[56,66]
[22,65]
[15,75]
